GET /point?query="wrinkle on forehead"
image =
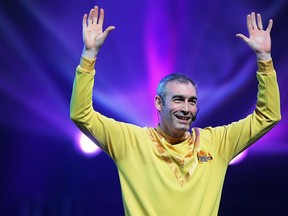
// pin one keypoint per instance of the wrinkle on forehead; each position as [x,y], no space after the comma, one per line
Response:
[180,88]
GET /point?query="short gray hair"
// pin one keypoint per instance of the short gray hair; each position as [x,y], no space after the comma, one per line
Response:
[181,78]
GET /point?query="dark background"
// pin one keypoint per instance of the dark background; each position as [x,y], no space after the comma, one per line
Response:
[42,170]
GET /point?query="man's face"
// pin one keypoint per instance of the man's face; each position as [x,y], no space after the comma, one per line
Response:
[179,107]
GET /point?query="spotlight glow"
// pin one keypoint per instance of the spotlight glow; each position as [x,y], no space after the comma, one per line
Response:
[86,146]
[239,158]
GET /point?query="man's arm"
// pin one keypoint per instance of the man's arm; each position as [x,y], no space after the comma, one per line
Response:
[81,110]
[93,38]
[117,139]
[234,138]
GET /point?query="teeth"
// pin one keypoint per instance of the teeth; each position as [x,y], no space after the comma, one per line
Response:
[184,118]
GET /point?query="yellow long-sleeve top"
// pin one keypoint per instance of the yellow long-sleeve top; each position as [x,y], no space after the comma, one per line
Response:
[158,178]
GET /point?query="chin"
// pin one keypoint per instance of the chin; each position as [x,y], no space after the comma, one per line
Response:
[183,128]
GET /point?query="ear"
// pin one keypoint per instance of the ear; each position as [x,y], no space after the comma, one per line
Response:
[158,103]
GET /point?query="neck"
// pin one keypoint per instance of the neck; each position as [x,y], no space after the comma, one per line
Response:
[171,139]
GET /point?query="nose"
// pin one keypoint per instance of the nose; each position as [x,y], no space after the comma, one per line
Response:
[185,107]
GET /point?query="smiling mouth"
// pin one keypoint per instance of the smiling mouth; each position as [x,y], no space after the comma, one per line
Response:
[183,118]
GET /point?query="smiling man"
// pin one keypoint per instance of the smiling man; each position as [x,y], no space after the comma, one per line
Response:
[176,102]
[172,169]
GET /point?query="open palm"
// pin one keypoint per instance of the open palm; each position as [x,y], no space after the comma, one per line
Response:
[93,35]
[259,40]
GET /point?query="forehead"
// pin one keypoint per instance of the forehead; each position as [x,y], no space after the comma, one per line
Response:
[179,88]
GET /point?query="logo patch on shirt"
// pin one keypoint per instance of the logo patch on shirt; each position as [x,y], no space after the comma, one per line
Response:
[204,156]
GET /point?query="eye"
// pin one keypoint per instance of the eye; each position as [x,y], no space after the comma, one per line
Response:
[177,100]
[193,103]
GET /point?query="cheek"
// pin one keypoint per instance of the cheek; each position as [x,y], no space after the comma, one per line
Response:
[174,108]
[168,112]
[194,109]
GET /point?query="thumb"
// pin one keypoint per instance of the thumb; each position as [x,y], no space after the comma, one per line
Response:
[243,37]
[108,30]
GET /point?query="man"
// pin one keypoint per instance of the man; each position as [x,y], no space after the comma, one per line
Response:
[172,170]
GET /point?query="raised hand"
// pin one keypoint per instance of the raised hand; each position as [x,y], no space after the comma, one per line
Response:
[259,40]
[92,30]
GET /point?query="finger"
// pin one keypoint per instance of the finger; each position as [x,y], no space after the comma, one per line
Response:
[259,21]
[253,20]
[249,23]
[95,16]
[91,13]
[107,31]
[270,24]
[101,17]
[84,21]
[243,37]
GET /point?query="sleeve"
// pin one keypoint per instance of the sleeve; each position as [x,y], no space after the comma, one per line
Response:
[232,139]
[111,136]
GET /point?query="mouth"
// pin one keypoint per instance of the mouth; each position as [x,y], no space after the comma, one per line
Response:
[183,118]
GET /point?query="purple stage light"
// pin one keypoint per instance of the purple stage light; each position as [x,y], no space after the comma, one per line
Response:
[239,158]
[86,146]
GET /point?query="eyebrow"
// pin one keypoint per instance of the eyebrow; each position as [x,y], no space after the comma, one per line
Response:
[194,98]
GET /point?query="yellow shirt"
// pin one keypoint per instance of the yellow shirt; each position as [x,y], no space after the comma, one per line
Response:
[158,178]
